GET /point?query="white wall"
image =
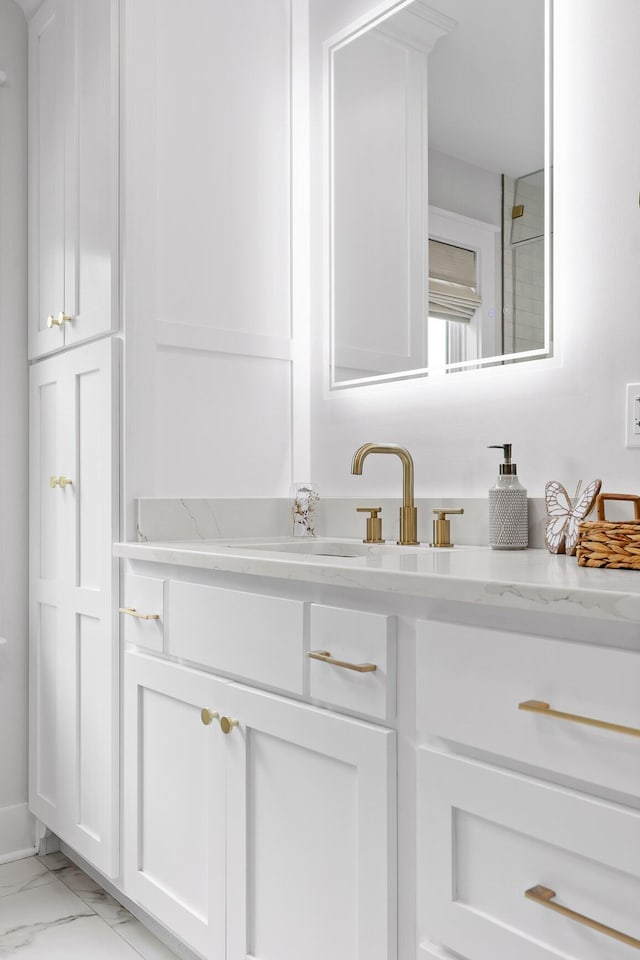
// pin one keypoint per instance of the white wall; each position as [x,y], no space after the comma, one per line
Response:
[565,419]
[13,430]
[207,247]
[464,188]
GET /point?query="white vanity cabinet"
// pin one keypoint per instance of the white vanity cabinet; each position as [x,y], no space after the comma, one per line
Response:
[522,807]
[73,166]
[395,786]
[73,775]
[264,827]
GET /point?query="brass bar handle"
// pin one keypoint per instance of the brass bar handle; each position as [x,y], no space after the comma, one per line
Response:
[539,706]
[227,724]
[132,612]
[326,657]
[58,321]
[207,716]
[60,481]
[544,897]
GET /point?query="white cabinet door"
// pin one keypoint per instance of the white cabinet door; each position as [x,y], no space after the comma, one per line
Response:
[73,138]
[174,769]
[311,851]
[50,75]
[74,651]
[275,840]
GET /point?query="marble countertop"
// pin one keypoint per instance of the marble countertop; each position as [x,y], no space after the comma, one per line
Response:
[523,579]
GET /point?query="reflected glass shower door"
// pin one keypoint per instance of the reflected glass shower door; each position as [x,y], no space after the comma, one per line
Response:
[524,257]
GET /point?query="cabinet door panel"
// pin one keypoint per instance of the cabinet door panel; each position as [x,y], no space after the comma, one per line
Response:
[44,660]
[145,595]
[49,68]
[252,636]
[90,428]
[486,836]
[311,833]
[478,705]
[73,188]
[91,234]
[357,636]
[45,505]
[92,706]
[72,528]
[47,553]
[174,801]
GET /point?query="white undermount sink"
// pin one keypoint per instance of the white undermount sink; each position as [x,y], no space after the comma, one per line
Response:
[311,547]
[319,547]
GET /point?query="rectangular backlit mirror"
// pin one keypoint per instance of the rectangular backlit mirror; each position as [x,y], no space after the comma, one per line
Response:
[439,165]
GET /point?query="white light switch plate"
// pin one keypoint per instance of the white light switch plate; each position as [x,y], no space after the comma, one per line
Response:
[632,419]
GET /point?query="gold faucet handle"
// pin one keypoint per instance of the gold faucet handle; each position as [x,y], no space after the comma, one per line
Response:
[374,524]
[442,527]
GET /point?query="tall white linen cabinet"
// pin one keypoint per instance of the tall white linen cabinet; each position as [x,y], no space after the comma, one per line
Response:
[74,424]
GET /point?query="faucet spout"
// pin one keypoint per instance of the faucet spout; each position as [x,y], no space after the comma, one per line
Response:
[408,512]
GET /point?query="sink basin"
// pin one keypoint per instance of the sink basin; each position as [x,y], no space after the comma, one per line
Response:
[326,547]
[313,547]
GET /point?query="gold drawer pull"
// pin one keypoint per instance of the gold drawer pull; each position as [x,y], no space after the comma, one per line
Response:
[326,657]
[544,897]
[207,715]
[539,706]
[227,724]
[132,612]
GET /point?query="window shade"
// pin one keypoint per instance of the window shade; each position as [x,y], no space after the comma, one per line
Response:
[452,282]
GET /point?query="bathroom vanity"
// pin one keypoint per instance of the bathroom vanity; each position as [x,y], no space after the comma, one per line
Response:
[392,753]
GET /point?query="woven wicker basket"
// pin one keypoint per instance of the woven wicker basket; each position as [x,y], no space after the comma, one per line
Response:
[608,543]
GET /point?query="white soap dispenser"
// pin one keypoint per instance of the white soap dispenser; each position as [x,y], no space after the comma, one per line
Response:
[508,507]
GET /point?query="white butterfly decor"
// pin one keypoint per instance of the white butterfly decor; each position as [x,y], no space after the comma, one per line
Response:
[561,534]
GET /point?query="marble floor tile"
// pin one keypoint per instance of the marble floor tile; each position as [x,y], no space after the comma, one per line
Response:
[87,889]
[143,940]
[52,861]
[22,875]
[77,938]
[51,910]
[26,916]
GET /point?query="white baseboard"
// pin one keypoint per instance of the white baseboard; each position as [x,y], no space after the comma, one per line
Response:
[17,833]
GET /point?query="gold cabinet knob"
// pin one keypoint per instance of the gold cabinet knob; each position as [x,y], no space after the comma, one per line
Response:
[227,724]
[58,321]
[60,481]
[207,716]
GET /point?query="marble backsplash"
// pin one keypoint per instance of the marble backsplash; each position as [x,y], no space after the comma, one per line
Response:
[202,519]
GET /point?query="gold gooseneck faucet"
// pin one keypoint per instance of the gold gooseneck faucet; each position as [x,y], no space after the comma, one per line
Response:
[408,513]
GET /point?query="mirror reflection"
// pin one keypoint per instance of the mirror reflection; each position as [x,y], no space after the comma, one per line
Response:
[439,190]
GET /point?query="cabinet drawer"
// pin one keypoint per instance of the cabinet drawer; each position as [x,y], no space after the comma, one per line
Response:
[358,641]
[247,635]
[471,682]
[486,836]
[143,621]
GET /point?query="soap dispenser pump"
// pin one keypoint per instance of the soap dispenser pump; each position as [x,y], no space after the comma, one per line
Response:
[508,508]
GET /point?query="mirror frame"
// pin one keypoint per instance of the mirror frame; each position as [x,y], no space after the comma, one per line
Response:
[381,13]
